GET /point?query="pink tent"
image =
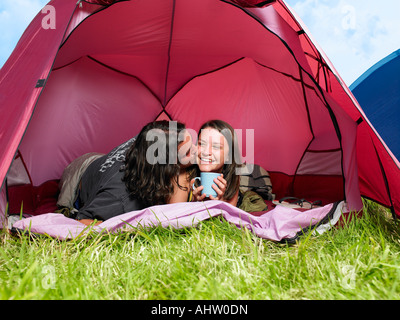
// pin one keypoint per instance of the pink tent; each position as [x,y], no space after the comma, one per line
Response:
[110,67]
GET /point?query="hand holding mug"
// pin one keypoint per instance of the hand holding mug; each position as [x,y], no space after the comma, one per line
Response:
[213,186]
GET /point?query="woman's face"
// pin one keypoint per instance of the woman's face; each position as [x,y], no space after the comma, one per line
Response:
[212,150]
[186,151]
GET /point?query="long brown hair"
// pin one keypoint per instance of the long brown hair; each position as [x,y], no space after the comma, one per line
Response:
[153,182]
[229,169]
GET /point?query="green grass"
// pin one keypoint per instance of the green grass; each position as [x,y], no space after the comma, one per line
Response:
[215,260]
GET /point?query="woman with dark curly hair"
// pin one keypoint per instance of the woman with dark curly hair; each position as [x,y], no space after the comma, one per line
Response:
[151,169]
[159,167]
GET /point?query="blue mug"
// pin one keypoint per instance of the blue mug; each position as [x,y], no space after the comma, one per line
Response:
[207,180]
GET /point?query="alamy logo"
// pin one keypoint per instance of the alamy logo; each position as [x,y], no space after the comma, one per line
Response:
[49,277]
[349,20]
[49,20]
[349,274]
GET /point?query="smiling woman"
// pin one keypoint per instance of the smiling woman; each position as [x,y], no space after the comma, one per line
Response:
[218,151]
[213,150]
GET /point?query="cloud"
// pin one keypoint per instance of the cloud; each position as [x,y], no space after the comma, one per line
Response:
[15,16]
[354,34]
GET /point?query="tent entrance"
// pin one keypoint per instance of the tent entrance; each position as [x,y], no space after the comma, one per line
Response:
[193,61]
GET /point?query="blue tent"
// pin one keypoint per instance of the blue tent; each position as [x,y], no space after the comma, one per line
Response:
[378,92]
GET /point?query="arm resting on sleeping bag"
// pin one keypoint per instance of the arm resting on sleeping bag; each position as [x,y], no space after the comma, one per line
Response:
[88,222]
[104,206]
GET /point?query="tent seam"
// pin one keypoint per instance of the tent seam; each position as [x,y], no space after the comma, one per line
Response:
[385,181]
[201,75]
[169,53]
[126,74]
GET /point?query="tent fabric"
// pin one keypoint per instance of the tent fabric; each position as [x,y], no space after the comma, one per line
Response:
[378,92]
[278,224]
[107,70]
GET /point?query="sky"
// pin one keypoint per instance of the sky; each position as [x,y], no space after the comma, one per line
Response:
[354,34]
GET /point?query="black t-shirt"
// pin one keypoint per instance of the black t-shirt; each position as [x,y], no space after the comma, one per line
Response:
[103,194]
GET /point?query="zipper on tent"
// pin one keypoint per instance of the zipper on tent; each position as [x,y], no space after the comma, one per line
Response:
[40,83]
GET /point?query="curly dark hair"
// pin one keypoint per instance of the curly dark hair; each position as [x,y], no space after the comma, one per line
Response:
[229,169]
[151,165]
